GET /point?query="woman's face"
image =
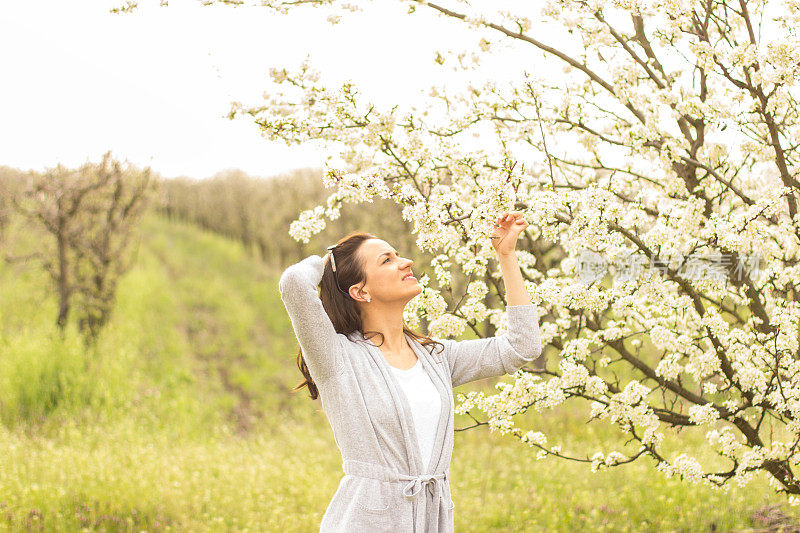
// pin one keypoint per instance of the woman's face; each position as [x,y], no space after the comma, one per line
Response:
[387,273]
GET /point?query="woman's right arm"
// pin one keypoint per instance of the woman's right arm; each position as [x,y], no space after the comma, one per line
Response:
[321,344]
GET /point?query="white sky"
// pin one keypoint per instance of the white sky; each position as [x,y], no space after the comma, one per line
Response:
[153,86]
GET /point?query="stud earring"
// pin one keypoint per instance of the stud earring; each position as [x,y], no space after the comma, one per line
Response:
[368,299]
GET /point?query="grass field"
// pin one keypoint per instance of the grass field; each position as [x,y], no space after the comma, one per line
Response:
[183,420]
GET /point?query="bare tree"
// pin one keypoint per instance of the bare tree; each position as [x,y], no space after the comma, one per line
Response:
[92,214]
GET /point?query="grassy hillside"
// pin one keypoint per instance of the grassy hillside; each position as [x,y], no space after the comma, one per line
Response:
[183,420]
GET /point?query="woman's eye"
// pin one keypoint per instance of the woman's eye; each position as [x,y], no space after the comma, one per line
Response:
[387,259]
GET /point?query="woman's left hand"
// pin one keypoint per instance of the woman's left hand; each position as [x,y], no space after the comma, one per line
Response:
[507,230]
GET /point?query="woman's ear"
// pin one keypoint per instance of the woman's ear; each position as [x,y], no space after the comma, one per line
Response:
[361,293]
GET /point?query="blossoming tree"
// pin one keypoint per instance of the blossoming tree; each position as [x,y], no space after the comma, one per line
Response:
[670,136]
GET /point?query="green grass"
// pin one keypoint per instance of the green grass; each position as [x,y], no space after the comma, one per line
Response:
[183,420]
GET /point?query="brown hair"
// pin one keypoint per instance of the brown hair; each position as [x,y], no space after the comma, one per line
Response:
[340,307]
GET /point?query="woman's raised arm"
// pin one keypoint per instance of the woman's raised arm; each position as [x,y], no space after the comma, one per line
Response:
[475,359]
[504,354]
[321,344]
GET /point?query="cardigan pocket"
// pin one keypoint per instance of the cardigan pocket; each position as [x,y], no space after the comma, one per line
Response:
[367,506]
[372,496]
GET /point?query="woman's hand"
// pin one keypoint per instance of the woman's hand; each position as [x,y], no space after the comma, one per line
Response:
[506,232]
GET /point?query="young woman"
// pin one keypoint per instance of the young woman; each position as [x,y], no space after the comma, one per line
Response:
[390,403]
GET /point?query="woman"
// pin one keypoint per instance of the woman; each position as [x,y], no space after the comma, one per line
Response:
[390,404]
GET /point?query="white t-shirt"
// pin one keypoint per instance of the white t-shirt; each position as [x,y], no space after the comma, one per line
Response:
[423,397]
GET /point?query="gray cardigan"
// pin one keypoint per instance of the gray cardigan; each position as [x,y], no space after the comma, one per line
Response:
[386,487]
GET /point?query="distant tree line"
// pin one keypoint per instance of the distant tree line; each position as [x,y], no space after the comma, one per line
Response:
[11,182]
[258,212]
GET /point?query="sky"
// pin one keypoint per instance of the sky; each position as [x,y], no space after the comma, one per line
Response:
[153,86]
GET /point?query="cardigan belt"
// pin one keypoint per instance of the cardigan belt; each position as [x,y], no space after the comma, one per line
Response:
[411,490]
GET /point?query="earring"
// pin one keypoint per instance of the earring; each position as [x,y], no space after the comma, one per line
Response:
[368,298]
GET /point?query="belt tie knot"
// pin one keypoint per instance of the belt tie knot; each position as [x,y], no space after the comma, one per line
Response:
[416,483]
